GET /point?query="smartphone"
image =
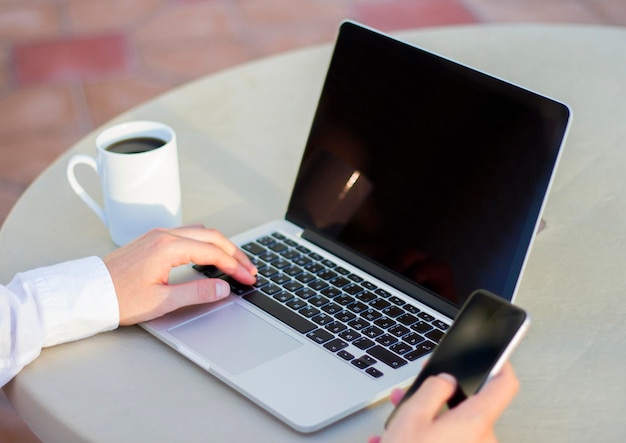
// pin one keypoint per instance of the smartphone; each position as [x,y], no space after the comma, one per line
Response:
[481,339]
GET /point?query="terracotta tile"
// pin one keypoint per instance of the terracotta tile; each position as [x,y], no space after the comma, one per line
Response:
[106,99]
[291,13]
[5,68]
[20,22]
[91,16]
[8,197]
[272,42]
[37,108]
[562,11]
[188,62]
[26,156]
[403,14]
[611,12]
[70,59]
[185,23]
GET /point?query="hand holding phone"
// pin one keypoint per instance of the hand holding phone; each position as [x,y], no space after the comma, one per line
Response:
[480,340]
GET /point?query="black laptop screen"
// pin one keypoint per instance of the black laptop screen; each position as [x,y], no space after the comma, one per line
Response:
[431,169]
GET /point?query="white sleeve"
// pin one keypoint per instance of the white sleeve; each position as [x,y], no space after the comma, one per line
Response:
[53,305]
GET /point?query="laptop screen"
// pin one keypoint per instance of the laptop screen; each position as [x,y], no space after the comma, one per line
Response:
[433,170]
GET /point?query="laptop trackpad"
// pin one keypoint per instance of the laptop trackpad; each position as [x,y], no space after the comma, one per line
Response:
[234,339]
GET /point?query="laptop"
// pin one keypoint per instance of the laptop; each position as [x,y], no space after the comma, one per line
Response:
[421,180]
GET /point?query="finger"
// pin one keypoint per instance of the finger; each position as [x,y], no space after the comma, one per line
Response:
[487,405]
[425,404]
[397,395]
[216,238]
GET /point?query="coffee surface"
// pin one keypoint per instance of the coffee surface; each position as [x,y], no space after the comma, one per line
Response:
[136,145]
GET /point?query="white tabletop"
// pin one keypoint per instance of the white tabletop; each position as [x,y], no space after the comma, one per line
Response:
[241,134]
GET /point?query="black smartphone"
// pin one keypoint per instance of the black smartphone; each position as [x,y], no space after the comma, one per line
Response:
[481,339]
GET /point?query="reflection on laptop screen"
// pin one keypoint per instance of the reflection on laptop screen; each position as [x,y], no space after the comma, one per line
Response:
[429,168]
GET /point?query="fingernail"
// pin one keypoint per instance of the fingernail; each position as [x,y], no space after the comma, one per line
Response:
[448,377]
[222,289]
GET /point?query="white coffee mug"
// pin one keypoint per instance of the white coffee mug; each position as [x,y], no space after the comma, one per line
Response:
[137,163]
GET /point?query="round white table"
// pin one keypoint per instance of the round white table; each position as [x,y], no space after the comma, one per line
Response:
[241,133]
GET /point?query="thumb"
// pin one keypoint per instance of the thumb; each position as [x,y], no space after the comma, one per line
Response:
[196,292]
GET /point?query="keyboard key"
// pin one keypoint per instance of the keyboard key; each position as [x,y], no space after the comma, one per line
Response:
[396,301]
[399,330]
[326,274]
[385,322]
[441,325]
[306,293]
[363,343]
[401,348]
[389,358]
[349,335]
[317,284]
[413,338]
[345,355]
[271,289]
[366,296]
[393,311]
[363,362]
[371,331]
[280,311]
[322,319]
[380,304]
[345,316]
[369,285]
[320,336]
[209,271]
[336,327]
[355,278]
[407,319]
[340,281]
[421,350]
[374,372]
[357,307]
[386,340]
[318,301]
[296,304]
[435,335]
[371,314]
[352,288]
[280,279]
[283,296]
[358,324]
[382,293]
[426,317]
[253,248]
[331,292]
[332,308]
[315,256]
[335,345]
[309,311]
[292,286]
[421,326]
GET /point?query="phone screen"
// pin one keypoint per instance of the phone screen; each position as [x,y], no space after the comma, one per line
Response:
[479,341]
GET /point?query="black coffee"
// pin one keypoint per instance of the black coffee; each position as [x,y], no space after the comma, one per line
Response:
[136,145]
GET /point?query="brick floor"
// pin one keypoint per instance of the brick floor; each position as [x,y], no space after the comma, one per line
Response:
[67,66]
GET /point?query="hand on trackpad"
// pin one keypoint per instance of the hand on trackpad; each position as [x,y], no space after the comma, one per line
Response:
[252,341]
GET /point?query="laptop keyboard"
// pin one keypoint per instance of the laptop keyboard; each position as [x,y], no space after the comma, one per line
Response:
[349,316]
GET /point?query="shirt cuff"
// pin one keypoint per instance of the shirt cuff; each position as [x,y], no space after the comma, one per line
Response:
[77,299]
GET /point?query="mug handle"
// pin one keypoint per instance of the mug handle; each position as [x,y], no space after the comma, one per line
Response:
[78,189]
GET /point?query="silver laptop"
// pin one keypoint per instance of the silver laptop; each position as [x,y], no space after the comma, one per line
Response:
[421,181]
